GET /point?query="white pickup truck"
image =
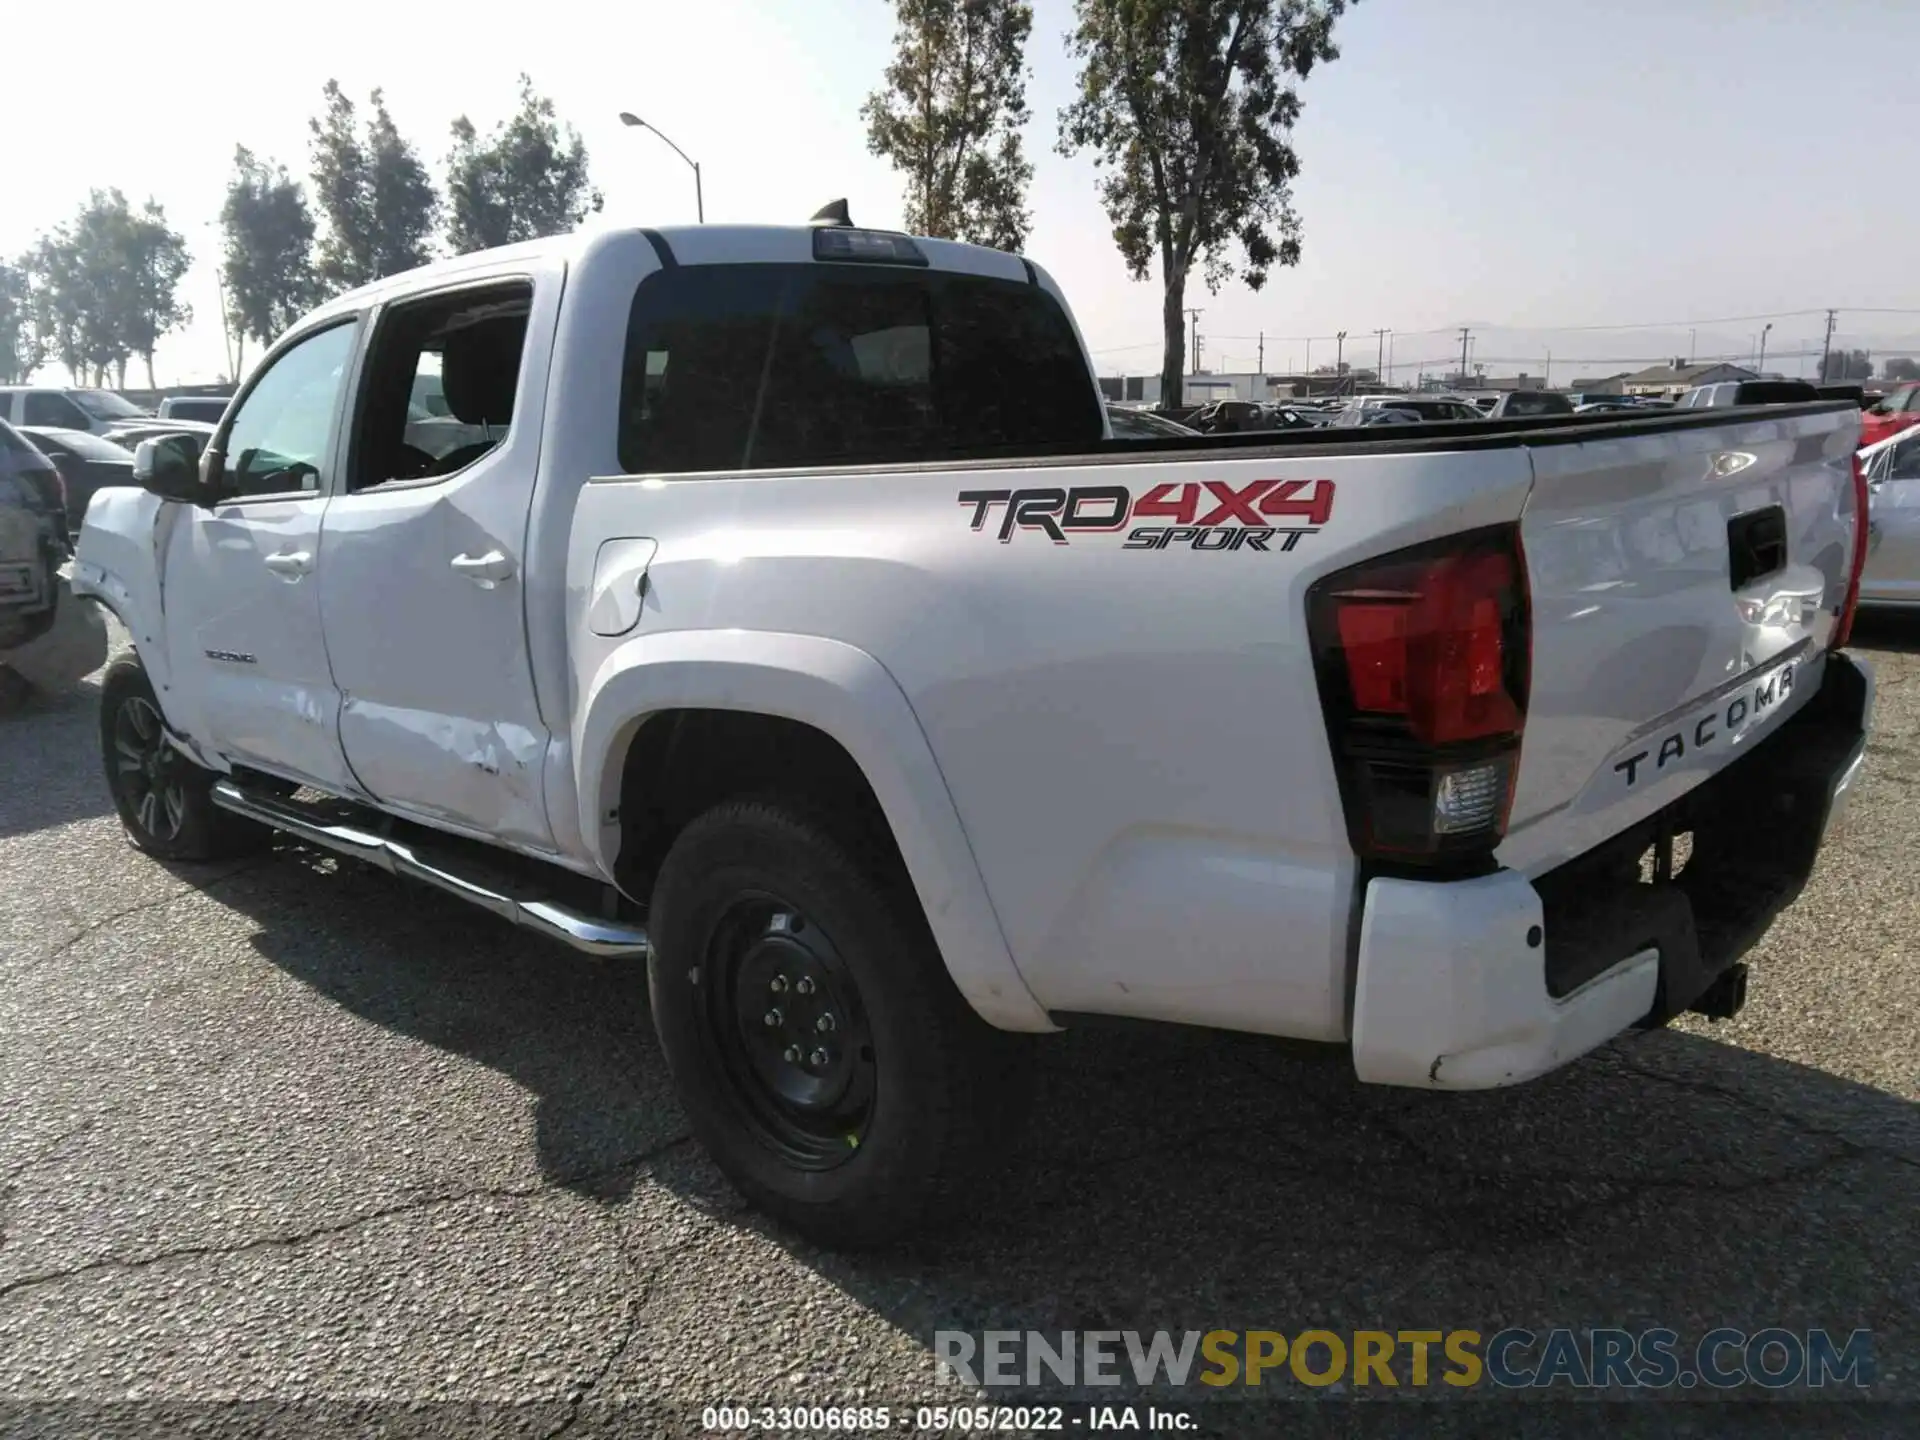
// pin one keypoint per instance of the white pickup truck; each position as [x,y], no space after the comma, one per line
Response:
[796,624]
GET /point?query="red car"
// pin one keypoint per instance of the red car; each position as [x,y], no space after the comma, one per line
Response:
[1900,409]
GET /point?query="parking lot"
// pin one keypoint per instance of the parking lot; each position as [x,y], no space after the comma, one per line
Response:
[289,1130]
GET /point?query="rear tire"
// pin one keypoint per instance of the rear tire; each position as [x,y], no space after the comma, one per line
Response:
[825,1058]
[164,799]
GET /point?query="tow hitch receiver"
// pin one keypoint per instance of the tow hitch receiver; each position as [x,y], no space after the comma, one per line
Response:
[1724,999]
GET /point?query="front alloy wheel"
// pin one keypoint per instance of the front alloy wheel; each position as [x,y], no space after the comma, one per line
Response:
[152,773]
[164,799]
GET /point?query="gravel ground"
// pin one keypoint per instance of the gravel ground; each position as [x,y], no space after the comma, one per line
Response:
[282,1138]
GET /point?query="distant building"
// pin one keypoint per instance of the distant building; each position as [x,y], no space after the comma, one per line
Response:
[1679,377]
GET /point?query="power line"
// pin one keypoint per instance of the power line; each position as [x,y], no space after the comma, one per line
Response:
[1566,329]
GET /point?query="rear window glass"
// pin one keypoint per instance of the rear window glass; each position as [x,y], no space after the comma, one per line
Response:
[1775,392]
[1538,405]
[774,366]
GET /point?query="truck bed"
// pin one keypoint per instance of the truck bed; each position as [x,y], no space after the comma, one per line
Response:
[1165,697]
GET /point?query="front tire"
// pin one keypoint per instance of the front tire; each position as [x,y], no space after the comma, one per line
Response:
[164,799]
[825,1058]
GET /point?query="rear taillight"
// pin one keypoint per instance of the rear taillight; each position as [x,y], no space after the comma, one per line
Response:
[1844,629]
[1423,659]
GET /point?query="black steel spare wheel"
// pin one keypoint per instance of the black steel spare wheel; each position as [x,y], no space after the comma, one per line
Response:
[825,1058]
[785,1018]
[152,774]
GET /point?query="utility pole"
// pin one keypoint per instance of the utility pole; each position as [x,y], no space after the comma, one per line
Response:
[1261,363]
[1339,349]
[1465,335]
[1546,380]
[1826,347]
[1380,358]
[1193,344]
[1691,345]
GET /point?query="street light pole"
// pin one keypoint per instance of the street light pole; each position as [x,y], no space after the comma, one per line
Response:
[1761,368]
[226,325]
[628,118]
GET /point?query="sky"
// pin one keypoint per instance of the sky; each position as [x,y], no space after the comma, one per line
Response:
[1598,185]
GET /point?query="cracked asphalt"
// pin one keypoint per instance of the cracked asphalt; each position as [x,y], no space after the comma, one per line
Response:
[285,1143]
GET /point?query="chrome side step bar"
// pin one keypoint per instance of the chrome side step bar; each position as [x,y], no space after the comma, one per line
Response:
[594,936]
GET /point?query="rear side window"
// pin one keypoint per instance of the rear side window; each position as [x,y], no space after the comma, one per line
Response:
[743,367]
[56,412]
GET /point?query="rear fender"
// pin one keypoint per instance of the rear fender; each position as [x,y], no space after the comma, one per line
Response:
[846,694]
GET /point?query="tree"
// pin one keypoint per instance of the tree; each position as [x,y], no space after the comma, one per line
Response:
[104,288]
[1900,368]
[268,265]
[1847,365]
[1189,106]
[58,303]
[20,349]
[950,114]
[526,180]
[155,258]
[373,191]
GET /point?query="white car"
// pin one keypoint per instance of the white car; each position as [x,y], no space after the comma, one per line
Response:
[1892,467]
[67,407]
[795,630]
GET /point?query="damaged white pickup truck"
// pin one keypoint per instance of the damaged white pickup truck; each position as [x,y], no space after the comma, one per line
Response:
[793,622]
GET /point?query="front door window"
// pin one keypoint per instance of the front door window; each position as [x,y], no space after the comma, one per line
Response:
[280,435]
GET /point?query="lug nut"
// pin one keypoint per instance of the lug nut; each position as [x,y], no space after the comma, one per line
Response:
[824,1023]
[819,1059]
[773,1019]
[778,985]
[803,986]
[792,1054]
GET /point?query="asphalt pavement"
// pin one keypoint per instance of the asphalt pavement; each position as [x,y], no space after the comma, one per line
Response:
[289,1142]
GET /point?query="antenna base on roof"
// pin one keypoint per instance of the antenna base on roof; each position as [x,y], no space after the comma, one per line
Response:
[834,212]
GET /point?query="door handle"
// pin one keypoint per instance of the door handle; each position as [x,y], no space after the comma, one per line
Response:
[291,563]
[486,570]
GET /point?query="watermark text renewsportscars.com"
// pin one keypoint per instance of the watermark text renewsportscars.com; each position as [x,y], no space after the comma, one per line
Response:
[1773,1358]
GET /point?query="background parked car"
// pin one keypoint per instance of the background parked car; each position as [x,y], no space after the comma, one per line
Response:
[130,433]
[1892,465]
[1139,425]
[86,463]
[1897,410]
[1421,407]
[33,539]
[207,409]
[66,408]
[1518,404]
[1748,392]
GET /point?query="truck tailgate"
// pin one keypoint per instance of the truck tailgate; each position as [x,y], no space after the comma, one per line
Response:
[1685,587]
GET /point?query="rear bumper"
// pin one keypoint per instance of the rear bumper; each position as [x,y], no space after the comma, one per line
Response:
[1478,983]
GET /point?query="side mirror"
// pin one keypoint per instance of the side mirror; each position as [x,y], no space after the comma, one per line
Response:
[167,467]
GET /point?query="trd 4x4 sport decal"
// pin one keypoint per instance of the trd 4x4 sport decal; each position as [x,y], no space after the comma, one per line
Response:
[1263,515]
